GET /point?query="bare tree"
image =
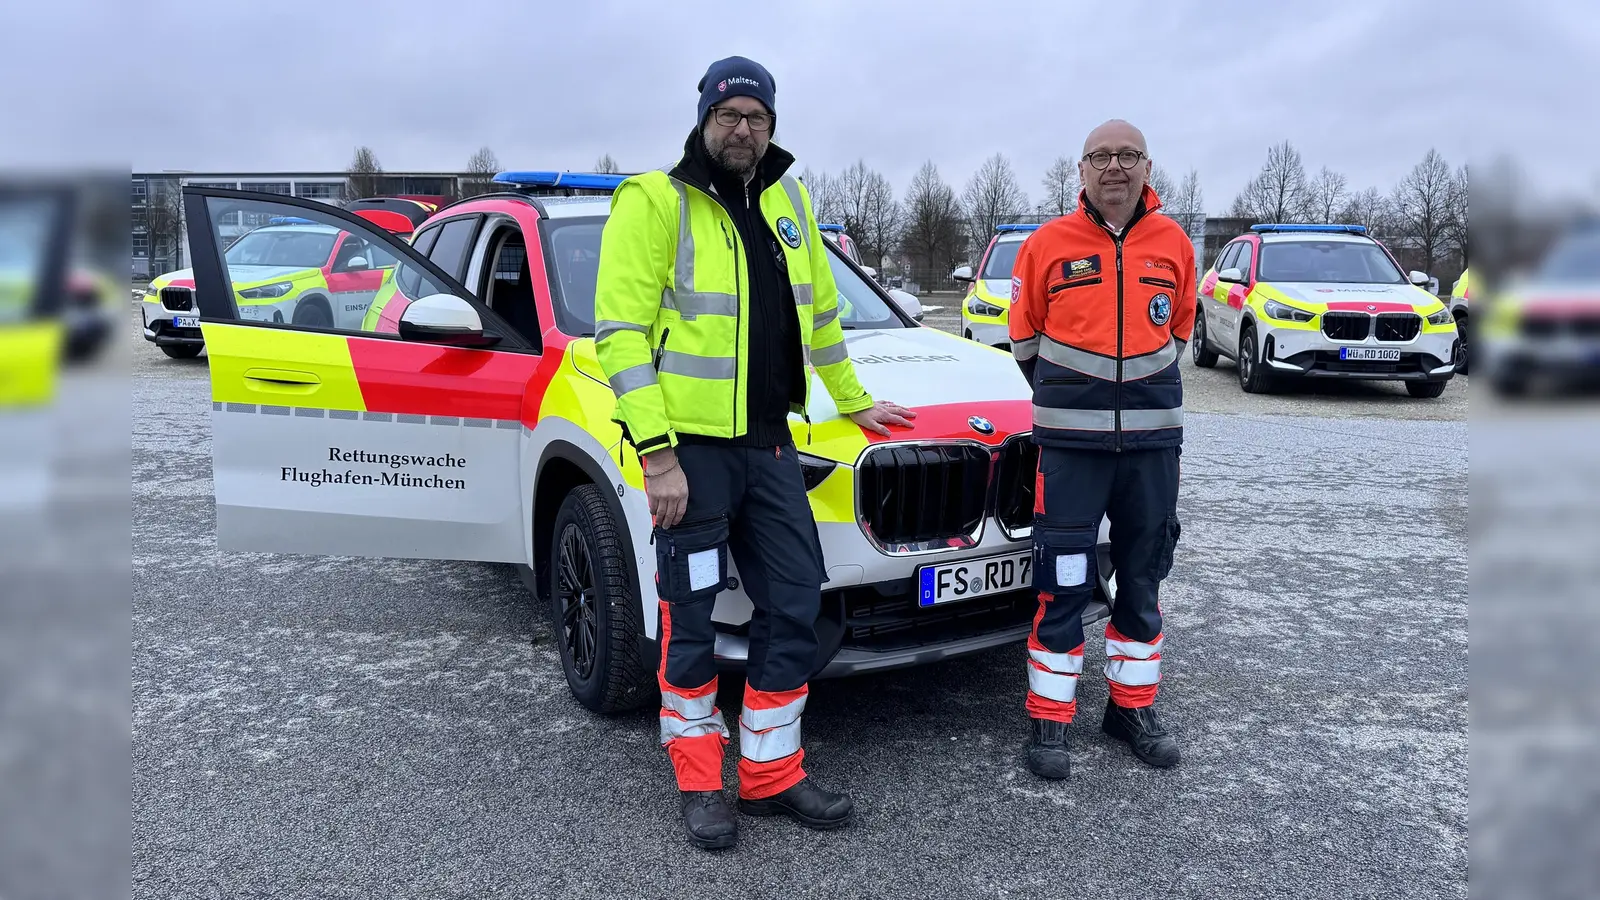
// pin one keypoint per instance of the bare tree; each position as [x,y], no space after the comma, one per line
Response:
[1421,203]
[1456,215]
[1328,194]
[605,165]
[481,169]
[164,225]
[1280,192]
[882,218]
[1187,206]
[364,172]
[1060,188]
[991,198]
[1160,182]
[851,188]
[932,237]
[824,195]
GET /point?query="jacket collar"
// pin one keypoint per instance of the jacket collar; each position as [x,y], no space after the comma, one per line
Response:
[696,167]
[1149,202]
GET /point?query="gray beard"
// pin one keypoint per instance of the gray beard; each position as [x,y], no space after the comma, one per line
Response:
[724,162]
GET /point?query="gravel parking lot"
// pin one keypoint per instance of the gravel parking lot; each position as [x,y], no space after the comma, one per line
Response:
[330,727]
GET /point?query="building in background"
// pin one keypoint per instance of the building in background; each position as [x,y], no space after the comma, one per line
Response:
[158,241]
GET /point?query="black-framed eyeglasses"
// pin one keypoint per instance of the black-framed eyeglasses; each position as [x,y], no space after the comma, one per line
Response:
[1127,159]
[730,118]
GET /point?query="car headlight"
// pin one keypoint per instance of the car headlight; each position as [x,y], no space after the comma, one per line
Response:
[1287,313]
[979,308]
[813,469]
[1442,317]
[267,291]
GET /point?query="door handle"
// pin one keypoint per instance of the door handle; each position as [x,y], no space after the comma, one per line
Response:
[287,381]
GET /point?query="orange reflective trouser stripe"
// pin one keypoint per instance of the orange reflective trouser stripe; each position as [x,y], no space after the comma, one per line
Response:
[692,728]
[769,742]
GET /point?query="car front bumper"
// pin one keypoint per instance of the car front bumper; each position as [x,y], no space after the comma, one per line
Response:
[989,333]
[1430,356]
[158,327]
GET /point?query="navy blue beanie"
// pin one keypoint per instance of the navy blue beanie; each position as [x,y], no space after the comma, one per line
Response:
[735,77]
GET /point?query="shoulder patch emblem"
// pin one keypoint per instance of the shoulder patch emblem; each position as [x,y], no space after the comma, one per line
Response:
[789,231]
[1016,288]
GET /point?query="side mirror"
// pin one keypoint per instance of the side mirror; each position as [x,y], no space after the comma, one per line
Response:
[908,304]
[962,274]
[1235,275]
[357,262]
[444,319]
[1419,278]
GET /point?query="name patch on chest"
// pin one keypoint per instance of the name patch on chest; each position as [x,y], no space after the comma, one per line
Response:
[1078,268]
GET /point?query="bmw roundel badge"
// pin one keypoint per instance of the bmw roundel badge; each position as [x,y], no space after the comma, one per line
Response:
[980,424]
[789,231]
[1160,309]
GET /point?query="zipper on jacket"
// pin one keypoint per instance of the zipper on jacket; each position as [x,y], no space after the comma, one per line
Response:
[1072,284]
[1119,339]
[661,349]
[738,317]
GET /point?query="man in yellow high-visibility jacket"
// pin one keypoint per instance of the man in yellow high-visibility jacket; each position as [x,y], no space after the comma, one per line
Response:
[714,298]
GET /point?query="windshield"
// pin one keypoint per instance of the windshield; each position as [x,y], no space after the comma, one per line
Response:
[1001,259]
[282,247]
[574,249]
[1327,262]
[1575,258]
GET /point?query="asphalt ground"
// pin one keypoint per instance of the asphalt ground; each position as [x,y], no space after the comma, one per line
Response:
[330,727]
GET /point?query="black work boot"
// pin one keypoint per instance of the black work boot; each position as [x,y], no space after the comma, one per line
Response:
[807,804]
[1144,733]
[708,820]
[1048,755]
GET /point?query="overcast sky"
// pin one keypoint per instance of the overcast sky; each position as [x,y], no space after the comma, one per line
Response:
[1363,87]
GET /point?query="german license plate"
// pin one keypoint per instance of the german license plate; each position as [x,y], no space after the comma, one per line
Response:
[970,578]
[1369,354]
[185,321]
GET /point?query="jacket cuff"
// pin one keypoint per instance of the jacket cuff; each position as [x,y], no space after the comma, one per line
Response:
[658,442]
[854,406]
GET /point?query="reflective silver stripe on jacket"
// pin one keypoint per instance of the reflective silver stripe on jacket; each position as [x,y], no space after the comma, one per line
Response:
[690,707]
[678,363]
[802,295]
[1134,672]
[1105,419]
[792,188]
[633,378]
[764,719]
[1052,686]
[823,318]
[1105,367]
[827,356]
[1061,663]
[606,328]
[673,728]
[682,296]
[1025,350]
[772,744]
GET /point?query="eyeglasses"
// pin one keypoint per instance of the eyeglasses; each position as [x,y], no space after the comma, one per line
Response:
[730,118]
[1127,159]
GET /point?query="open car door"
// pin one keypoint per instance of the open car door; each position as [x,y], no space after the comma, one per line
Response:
[336,441]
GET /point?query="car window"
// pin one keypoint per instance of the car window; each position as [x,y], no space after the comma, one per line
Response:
[424,241]
[283,246]
[450,252]
[1229,254]
[573,250]
[1575,257]
[1247,253]
[1328,262]
[1001,259]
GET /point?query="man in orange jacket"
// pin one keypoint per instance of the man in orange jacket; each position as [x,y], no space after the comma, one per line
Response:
[1102,304]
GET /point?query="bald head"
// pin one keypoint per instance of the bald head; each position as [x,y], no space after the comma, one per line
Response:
[1115,190]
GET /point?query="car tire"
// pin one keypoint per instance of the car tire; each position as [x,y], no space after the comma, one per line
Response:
[1253,377]
[1425,390]
[182,351]
[1204,356]
[312,312]
[1465,357]
[596,620]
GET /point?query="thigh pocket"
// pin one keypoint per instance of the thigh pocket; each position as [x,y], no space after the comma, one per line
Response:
[692,559]
[1063,556]
[1161,564]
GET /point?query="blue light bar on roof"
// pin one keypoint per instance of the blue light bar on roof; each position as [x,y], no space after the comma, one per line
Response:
[289,220]
[591,181]
[1004,228]
[831,226]
[1325,229]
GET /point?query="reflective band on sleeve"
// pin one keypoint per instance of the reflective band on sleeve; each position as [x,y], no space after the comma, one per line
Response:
[827,356]
[673,727]
[1149,364]
[770,745]
[606,328]
[690,707]
[683,284]
[678,363]
[1061,663]
[792,188]
[1051,686]
[1182,345]
[823,318]
[802,295]
[1133,672]
[1134,649]
[633,378]
[1025,350]
[703,303]
[763,719]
